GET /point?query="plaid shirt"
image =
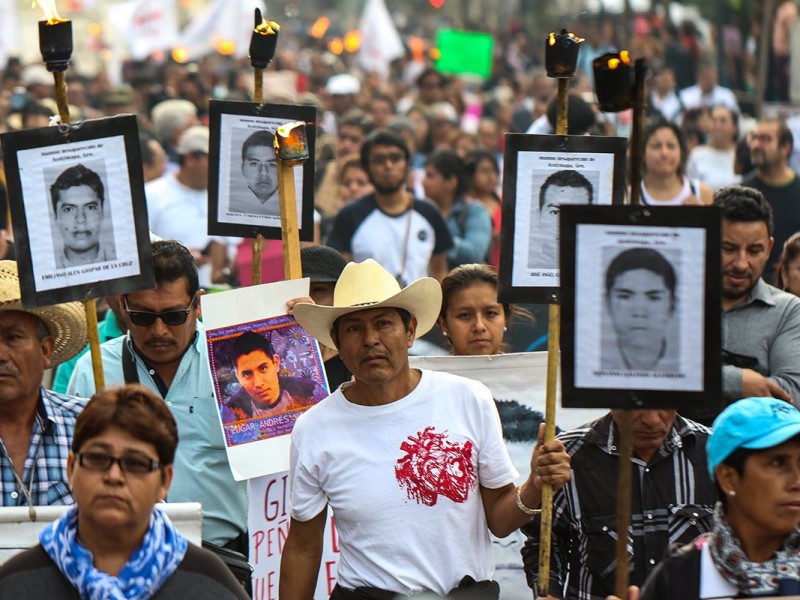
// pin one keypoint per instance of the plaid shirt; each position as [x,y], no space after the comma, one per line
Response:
[45,468]
[672,501]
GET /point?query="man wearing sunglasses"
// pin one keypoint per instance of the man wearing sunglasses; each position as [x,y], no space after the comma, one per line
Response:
[165,350]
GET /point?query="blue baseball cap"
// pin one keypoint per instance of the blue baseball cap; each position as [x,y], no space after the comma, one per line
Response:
[752,423]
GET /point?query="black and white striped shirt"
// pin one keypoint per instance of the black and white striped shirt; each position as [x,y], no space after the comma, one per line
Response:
[672,501]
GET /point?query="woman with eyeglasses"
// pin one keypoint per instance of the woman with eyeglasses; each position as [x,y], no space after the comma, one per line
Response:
[115,543]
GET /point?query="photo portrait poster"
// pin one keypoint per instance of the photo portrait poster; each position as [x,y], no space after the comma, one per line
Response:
[243,190]
[541,174]
[641,305]
[266,372]
[78,210]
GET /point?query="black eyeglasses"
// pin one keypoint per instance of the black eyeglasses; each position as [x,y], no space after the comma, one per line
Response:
[145,318]
[97,461]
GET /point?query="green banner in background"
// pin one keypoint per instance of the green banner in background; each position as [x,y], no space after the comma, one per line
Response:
[464,52]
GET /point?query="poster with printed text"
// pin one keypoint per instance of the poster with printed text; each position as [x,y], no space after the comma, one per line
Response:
[81,228]
[266,371]
[542,174]
[642,285]
[244,195]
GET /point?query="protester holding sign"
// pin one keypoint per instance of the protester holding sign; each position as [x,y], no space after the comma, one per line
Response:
[417,473]
[115,543]
[672,501]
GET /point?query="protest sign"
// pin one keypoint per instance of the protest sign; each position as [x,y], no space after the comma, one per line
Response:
[266,372]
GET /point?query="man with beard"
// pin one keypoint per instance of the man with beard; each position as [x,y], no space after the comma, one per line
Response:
[770,146]
[760,323]
[260,171]
[405,235]
[165,350]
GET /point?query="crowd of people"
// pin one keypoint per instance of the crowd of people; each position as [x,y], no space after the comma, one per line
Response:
[408,197]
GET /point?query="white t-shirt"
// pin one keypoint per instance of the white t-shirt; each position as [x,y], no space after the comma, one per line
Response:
[713,166]
[403,482]
[177,212]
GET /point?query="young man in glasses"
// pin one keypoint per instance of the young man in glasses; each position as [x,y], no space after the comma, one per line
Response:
[405,235]
[165,350]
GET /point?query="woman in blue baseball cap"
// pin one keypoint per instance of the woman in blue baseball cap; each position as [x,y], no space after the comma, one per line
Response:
[754,546]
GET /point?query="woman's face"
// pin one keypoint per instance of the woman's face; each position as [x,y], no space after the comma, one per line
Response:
[662,153]
[355,184]
[475,321]
[114,498]
[438,187]
[421,126]
[766,499]
[484,181]
[723,131]
[791,276]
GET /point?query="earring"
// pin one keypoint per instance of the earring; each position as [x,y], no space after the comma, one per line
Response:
[731,492]
[444,333]
[505,328]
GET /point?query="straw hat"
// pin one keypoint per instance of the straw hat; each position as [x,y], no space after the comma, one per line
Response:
[367,285]
[65,322]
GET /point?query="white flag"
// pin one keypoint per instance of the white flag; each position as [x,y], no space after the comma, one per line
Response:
[145,25]
[9,28]
[380,41]
[225,26]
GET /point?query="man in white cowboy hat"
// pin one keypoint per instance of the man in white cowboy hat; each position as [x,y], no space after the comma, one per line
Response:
[36,425]
[412,462]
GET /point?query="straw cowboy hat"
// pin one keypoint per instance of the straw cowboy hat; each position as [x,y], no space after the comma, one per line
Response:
[368,285]
[66,322]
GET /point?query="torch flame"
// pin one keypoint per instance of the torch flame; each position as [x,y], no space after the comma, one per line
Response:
[267,27]
[50,11]
[613,63]
[625,57]
[551,39]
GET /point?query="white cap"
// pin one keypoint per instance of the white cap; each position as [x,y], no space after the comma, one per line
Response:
[343,84]
[194,139]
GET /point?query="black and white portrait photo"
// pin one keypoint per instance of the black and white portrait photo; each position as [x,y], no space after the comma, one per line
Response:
[82,221]
[640,329]
[244,194]
[541,174]
[640,306]
[567,186]
[81,216]
[256,191]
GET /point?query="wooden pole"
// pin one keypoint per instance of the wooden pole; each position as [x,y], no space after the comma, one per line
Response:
[89,306]
[636,156]
[258,242]
[624,503]
[553,345]
[290,233]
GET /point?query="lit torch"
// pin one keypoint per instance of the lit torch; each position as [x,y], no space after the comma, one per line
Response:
[291,150]
[612,81]
[263,44]
[561,54]
[55,44]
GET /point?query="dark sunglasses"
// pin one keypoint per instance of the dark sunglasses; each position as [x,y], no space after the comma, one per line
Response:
[144,318]
[97,461]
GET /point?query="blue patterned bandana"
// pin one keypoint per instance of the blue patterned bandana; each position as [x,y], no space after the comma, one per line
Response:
[769,578]
[162,550]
